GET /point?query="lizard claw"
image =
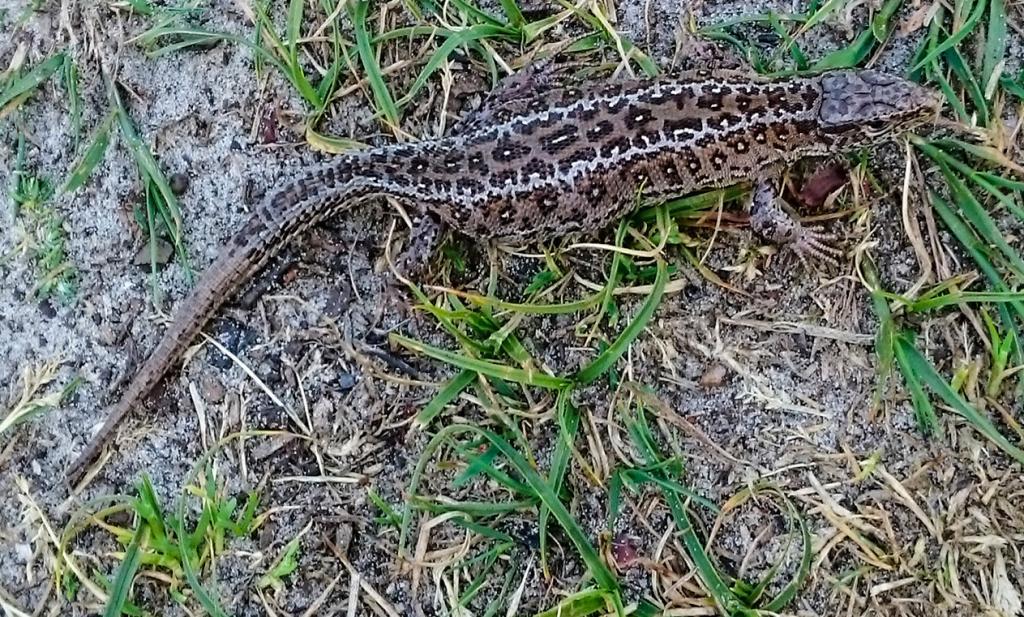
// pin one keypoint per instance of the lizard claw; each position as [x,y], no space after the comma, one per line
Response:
[814,243]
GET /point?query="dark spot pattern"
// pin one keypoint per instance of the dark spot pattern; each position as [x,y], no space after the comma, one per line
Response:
[613,146]
[507,150]
[599,130]
[503,177]
[724,121]
[468,184]
[559,140]
[477,163]
[678,126]
[636,117]
[538,167]
[710,101]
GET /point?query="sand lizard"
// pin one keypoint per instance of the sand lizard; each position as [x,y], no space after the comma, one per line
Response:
[542,160]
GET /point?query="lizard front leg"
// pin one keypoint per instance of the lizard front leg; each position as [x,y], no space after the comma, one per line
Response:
[770,220]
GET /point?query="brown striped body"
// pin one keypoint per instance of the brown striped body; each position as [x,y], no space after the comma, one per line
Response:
[560,160]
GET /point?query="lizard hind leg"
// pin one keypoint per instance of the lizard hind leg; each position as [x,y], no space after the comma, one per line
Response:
[424,238]
[772,222]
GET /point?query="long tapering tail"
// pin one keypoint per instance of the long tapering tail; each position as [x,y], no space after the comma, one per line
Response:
[289,212]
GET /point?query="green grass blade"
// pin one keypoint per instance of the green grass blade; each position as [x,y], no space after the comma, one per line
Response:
[604,577]
[484,367]
[954,39]
[446,395]
[295,72]
[152,174]
[1013,86]
[855,53]
[91,158]
[206,600]
[382,96]
[995,42]
[608,357]
[964,297]
[24,86]
[980,253]
[582,604]
[923,370]
[70,79]
[568,425]
[924,411]
[706,569]
[983,223]
[958,64]
[454,40]
[126,572]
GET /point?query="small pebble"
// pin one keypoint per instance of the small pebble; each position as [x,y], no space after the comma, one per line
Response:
[713,377]
[179,183]
[211,388]
[47,309]
[346,381]
[164,250]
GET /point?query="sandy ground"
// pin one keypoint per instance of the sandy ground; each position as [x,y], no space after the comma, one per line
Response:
[781,378]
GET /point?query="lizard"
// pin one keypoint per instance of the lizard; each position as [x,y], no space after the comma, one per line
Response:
[543,160]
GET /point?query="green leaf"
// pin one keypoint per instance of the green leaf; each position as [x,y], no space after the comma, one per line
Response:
[923,370]
[954,39]
[446,395]
[484,367]
[606,359]
[91,158]
[24,85]
[995,41]
[126,572]
[358,13]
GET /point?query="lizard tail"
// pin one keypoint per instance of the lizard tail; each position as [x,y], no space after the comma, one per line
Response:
[286,214]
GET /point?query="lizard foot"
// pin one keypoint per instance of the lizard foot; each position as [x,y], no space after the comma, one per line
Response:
[424,239]
[814,243]
[771,221]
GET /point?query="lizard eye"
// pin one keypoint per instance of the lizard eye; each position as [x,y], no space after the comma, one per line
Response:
[877,125]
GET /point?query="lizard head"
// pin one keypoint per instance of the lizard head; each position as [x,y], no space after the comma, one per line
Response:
[866,106]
